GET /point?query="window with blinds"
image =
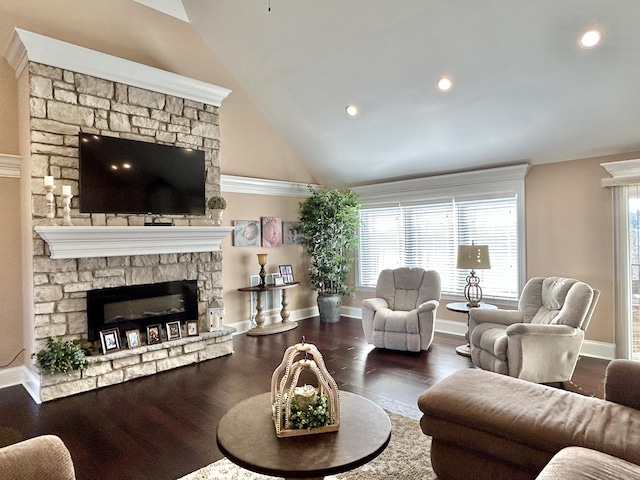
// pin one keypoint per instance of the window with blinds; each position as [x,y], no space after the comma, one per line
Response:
[427,235]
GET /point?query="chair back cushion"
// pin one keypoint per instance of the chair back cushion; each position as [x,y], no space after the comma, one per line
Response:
[406,288]
[556,300]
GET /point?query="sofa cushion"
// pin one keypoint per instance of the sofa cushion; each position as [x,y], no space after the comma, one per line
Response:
[577,463]
[535,420]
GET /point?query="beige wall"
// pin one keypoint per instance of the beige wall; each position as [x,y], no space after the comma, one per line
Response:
[11,340]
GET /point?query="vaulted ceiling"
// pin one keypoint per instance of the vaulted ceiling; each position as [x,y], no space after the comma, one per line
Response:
[523,88]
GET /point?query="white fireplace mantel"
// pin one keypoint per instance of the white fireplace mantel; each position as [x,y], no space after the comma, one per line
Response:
[113,241]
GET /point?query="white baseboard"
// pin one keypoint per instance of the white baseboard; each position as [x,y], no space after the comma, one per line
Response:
[21,376]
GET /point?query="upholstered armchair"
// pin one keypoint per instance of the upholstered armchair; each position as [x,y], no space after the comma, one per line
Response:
[38,458]
[540,341]
[402,315]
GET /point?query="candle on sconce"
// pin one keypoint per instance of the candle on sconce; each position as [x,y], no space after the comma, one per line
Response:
[66,190]
[48,181]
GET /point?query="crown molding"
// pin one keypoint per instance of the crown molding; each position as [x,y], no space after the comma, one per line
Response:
[464,184]
[27,46]
[10,165]
[626,172]
[261,186]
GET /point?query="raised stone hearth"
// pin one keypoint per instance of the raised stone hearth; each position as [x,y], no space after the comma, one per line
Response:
[125,365]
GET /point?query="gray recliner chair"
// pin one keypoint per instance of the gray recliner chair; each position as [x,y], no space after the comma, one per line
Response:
[540,341]
[402,315]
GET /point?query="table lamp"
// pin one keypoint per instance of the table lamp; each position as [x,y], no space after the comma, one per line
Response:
[474,257]
[262,260]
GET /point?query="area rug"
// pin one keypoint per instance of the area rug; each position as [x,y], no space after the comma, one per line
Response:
[405,458]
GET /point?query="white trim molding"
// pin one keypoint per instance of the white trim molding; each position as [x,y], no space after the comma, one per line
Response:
[626,172]
[10,165]
[21,375]
[261,186]
[27,46]
[110,241]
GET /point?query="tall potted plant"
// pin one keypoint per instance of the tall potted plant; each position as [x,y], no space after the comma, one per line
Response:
[329,224]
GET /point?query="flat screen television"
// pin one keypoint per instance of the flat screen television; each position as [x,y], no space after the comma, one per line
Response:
[118,175]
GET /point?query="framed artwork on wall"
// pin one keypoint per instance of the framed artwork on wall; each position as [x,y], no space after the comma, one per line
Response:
[246,233]
[271,231]
[110,340]
[291,233]
[154,334]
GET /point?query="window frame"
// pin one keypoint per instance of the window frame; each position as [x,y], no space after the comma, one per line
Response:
[465,186]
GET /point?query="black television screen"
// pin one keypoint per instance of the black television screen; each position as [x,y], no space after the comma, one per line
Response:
[118,175]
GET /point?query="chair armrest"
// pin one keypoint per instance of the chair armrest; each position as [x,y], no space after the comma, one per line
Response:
[502,317]
[427,306]
[374,303]
[540,329]
[39,457]
[621,383]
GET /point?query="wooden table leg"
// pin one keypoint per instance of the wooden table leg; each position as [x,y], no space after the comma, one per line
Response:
[259,314]
[284,313]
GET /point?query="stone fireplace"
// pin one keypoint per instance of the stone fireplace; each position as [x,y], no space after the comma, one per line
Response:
[130,101]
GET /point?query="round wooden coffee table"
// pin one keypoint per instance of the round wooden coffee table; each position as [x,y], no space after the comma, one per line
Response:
[247,436]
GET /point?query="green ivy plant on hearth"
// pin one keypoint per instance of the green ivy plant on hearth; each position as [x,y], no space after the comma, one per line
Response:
[61,356]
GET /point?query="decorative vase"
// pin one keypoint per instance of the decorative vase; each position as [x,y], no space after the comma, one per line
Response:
[216,216]
[329,308]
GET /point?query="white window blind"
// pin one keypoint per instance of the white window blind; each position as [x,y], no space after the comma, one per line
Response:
[428,236]
[421,222]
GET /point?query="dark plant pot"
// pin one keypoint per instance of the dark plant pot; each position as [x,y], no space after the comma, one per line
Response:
[329,308]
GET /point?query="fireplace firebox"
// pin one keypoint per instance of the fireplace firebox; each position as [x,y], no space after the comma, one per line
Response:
[137,306]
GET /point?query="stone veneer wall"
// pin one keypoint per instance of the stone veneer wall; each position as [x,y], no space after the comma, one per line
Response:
[62,104]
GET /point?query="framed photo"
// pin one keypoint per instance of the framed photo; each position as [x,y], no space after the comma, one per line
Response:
[192,328]
[271,231]
[154,334]
[133,338]
[278,280]
[291,233]
[286,272]
[110,340]
[246,233]
[173,330]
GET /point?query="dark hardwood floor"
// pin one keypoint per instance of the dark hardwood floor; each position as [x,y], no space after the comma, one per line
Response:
[163,426]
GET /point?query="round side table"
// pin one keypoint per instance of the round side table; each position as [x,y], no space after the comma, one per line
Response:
[463,307]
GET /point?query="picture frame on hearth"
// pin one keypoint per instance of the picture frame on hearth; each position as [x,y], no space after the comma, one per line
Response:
[173,330]
[192,328]
[154,334]
[110,340]
[133,338]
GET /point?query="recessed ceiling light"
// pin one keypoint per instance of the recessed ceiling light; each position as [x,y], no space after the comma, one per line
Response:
[351,110]
[590,38]
[444,84]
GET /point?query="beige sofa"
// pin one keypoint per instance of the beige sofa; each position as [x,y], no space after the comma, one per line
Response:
[489,426]
[40,458]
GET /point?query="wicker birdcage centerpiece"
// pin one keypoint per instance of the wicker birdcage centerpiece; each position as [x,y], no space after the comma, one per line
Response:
[312,407]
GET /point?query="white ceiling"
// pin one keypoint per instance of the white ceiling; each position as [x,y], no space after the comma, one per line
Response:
[523,88]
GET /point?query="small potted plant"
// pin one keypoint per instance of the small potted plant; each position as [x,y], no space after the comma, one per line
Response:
[61,356]
[216,206]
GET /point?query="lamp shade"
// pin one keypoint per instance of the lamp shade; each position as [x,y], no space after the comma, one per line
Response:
[473,257]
